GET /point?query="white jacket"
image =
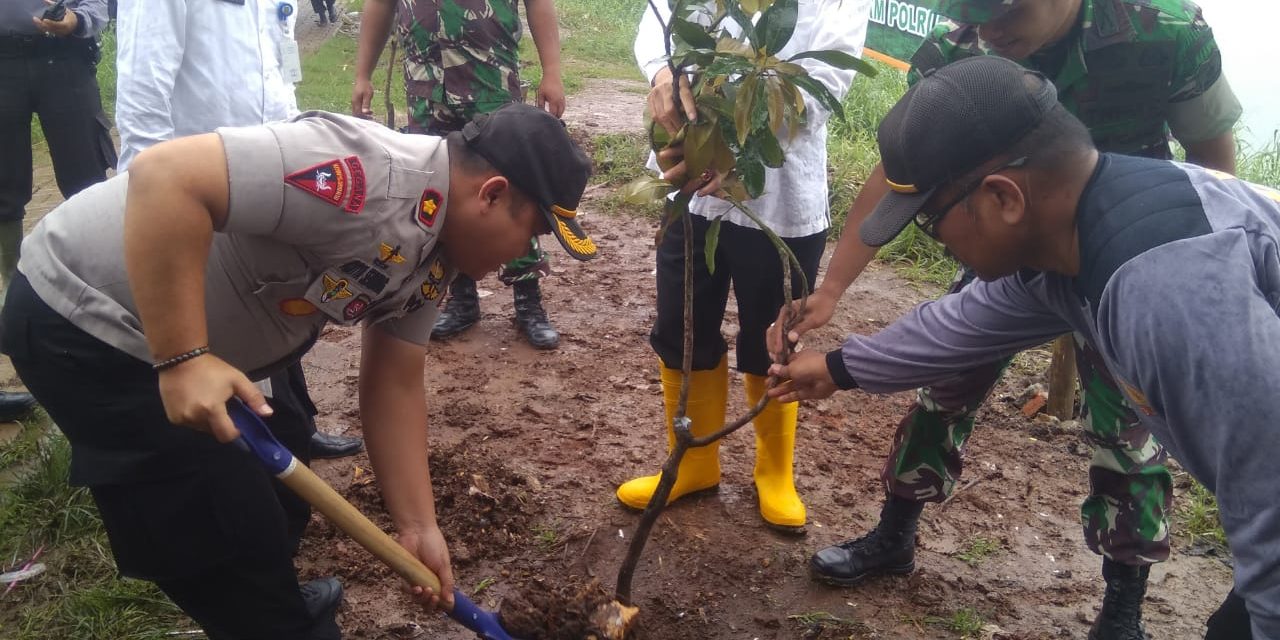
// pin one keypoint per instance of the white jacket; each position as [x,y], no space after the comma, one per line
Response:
[794,203]
[189,66]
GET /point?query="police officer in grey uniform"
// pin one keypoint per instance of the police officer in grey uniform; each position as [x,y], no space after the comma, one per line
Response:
[233,250]
[47,68]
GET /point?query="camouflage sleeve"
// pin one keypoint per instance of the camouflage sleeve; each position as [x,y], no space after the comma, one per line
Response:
[1198,63]
[948,42]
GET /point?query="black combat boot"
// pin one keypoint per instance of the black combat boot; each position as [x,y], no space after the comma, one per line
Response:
[461,312]
[532,318]
[333,14]
[889,548]
[1121,615]
[15,404]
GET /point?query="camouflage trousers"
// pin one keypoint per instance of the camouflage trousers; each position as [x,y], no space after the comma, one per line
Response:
[1131,492]
[530,266]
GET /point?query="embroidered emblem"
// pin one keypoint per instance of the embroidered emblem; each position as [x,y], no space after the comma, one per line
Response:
[297,307]
[388,254]
[355,204]
[431,290]
[374,281]
[428,207]
[356,308]
[327,181]
[335,289]
[436,272]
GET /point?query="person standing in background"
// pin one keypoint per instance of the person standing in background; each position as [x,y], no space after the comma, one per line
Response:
[48,67]
[325,12]
[461,59]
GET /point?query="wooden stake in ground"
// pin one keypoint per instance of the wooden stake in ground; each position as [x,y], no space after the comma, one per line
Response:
[1062,378]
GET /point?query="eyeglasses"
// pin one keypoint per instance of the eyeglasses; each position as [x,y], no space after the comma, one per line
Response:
[928,221]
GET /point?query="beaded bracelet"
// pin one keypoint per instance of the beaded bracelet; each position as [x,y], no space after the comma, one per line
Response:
[180,358]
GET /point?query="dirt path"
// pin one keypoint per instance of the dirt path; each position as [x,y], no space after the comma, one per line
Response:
[530,445]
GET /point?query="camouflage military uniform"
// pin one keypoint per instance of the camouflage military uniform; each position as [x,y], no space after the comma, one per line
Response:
[461,59]
[1133,71]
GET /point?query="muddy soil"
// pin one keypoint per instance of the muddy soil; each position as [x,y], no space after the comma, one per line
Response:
[530,445]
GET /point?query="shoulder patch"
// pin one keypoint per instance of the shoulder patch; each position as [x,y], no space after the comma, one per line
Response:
[355,203]
[327,181]
[428,207]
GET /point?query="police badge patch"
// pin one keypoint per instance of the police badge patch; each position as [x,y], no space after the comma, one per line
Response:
[327,181]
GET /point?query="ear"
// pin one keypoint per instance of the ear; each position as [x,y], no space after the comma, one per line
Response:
[1003,198]
[494,189]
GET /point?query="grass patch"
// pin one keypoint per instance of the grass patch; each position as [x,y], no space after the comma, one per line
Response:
[596,39]
[483,586]
[1198,517]
[977,550]
[818,623]
[965,622]
[79,595]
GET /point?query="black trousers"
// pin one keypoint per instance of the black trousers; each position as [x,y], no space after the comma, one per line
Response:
[746,260]
[1231,620]
[201,519]
[55,80]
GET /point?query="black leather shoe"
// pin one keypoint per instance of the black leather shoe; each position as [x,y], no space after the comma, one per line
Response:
[532,318]
[324,445]
[1121,615]
[461,312]
[322,597]
[890,548]
[15,404]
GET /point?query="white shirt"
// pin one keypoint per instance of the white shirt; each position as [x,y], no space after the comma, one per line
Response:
[794,202]
[190,66]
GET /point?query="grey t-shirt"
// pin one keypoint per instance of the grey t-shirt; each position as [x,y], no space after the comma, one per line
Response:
[330,219]
[1188,323]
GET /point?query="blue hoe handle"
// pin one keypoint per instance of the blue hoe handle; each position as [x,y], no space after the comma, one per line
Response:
[257,438]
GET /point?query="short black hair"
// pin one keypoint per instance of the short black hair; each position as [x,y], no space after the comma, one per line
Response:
[461,156]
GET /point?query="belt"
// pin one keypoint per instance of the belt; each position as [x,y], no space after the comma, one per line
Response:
[44,46]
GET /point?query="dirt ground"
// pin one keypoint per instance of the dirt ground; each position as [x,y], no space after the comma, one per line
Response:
[529,446]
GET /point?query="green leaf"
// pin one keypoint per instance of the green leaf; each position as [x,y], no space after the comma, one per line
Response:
[837,59]
[698,148]
[743,19]
[713,240]
[714,103]
[691,33]
[752,171]
[770,150]
[743,107]
[734,47]
[776,26]
[820,93]
[646,190]
[750,6]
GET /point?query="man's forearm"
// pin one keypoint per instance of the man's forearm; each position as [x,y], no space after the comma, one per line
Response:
[393,410]
[851,255]
[545,29]
[375,27]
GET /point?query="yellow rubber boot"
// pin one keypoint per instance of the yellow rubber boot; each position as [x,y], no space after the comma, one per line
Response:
[780,506]
[700,467]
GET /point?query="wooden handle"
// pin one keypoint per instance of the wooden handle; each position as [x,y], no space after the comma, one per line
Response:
[1062,378]
[320,495]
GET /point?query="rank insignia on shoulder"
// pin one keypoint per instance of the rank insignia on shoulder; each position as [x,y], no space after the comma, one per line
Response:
[327,181]
[428,207]
[297,307]
[356,308]
[335,289]
[355,203]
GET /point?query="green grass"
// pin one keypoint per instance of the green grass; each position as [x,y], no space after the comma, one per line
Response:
[977,550]
[965,622]
[819,623]
[1197,517]
[79,595]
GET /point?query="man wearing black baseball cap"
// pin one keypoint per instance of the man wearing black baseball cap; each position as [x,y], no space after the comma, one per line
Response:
[150,300]
[1169,273]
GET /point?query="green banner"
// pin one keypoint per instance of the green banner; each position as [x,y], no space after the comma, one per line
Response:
[897,28]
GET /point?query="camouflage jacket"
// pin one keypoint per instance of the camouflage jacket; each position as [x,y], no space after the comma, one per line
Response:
[1132,70]
[461,58]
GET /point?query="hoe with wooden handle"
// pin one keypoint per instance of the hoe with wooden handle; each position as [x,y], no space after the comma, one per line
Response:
[256,438]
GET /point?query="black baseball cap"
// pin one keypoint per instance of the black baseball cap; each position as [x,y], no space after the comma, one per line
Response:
[532,149]
[948,124]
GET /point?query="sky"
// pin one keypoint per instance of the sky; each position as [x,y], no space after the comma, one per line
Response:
[1248,32]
